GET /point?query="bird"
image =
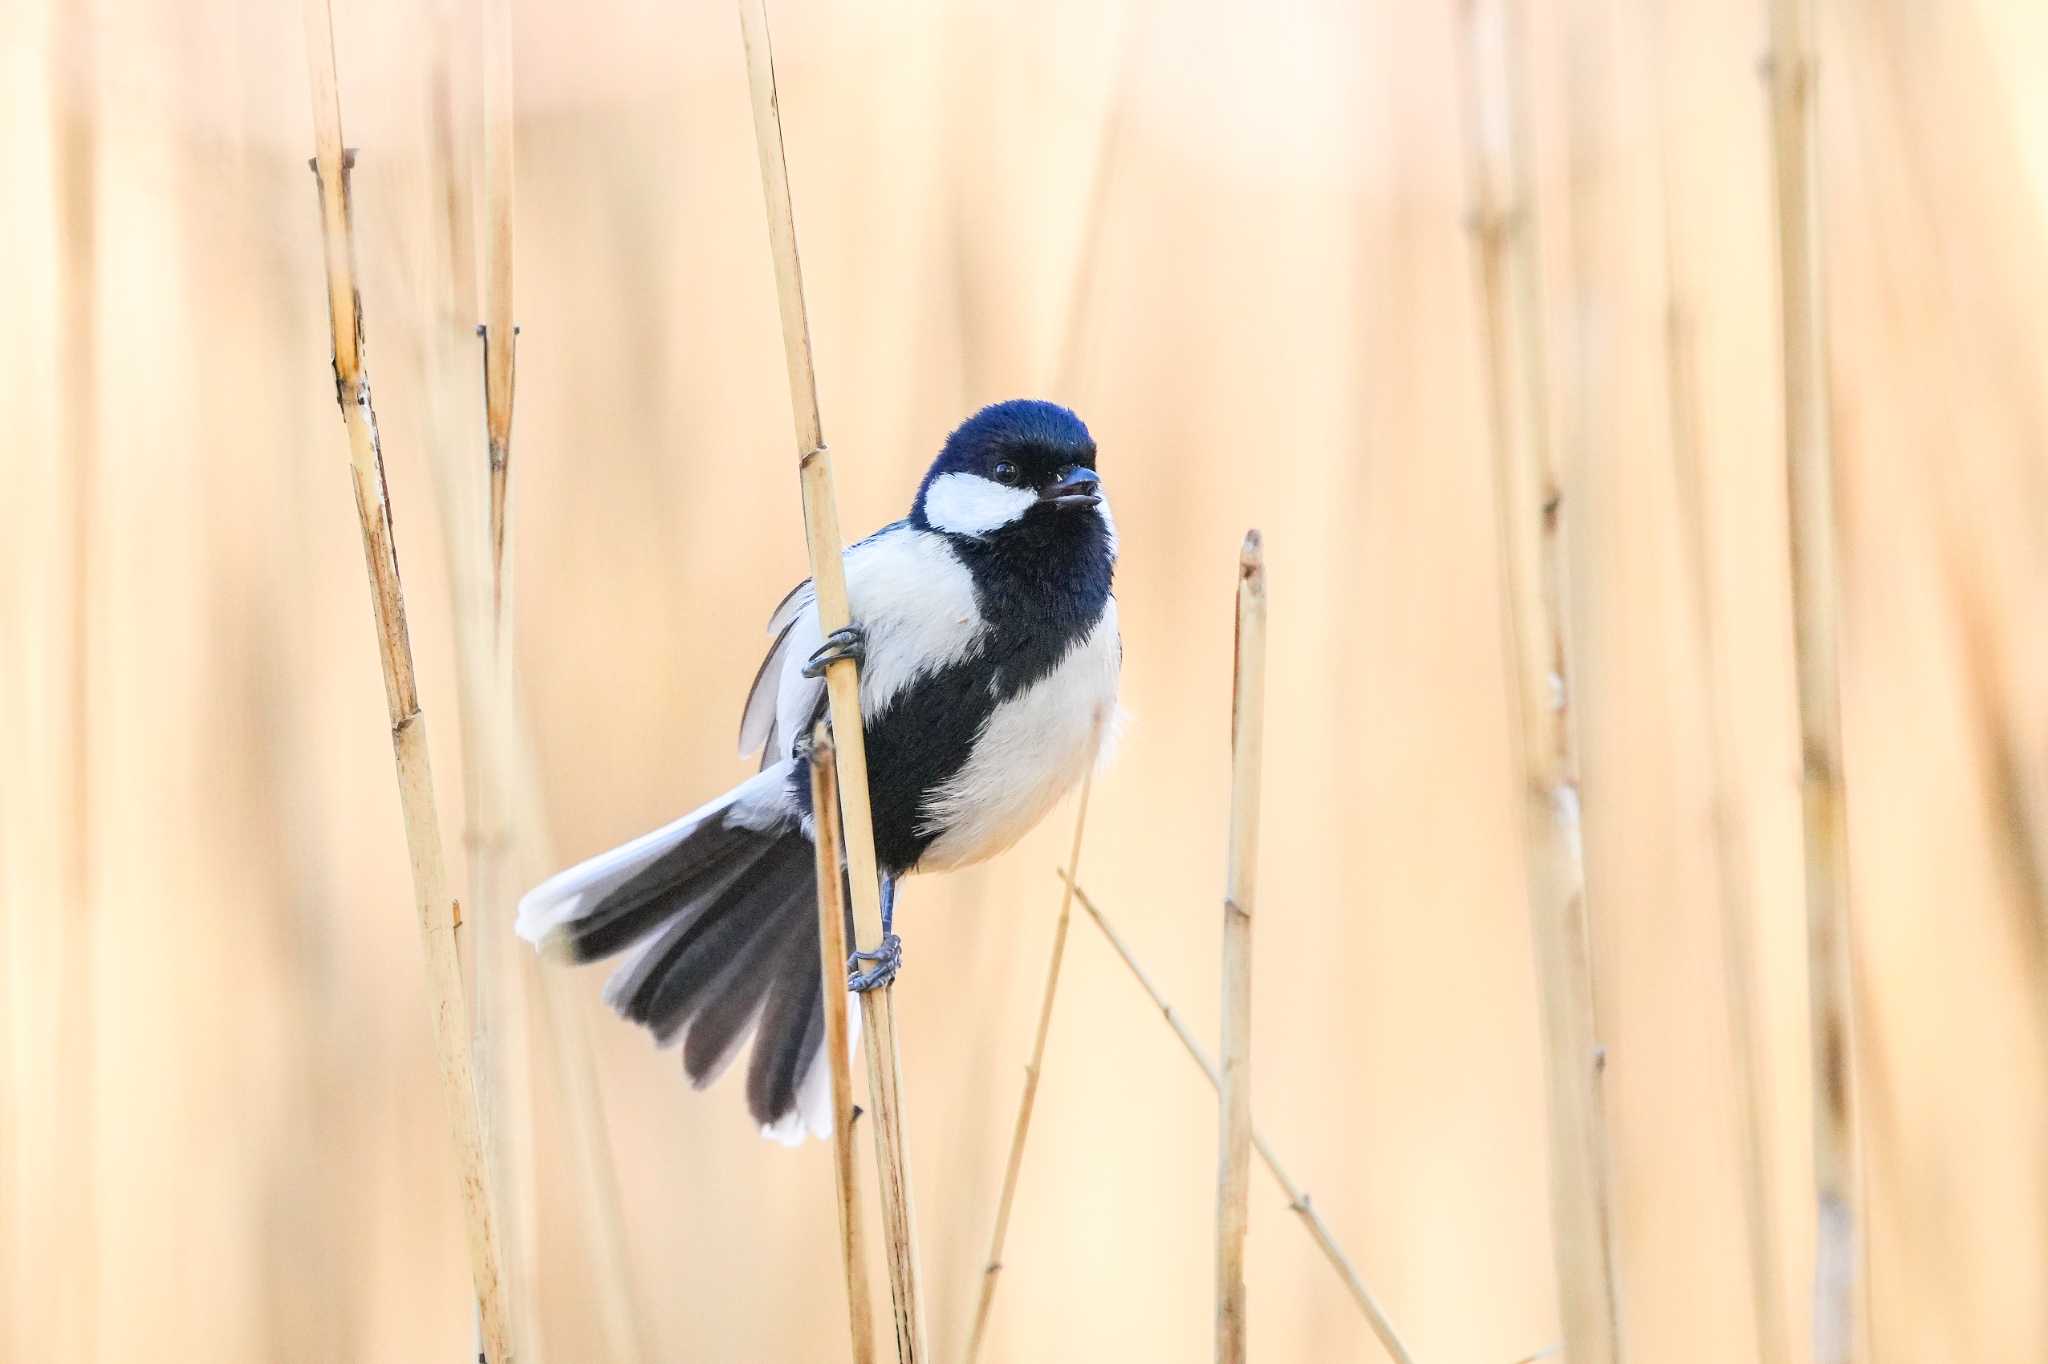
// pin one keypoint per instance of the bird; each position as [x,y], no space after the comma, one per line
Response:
[984,626]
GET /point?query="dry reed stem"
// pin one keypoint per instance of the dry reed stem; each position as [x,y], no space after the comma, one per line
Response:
[842,681]
[505,823]
[1839,1312]
[75,1042]
[438,913]
[1297,1200]
[1528,505]
[1738,951]
[838,1051]
[501,335]
[1234,1138]
[504,979]
[1025,1105]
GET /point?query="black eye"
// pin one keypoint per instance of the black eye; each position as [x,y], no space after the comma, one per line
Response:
[1005,473]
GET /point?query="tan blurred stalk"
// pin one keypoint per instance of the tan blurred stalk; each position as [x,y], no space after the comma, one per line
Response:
[1528,505]
[1738,948]
[842,682]
[1840,1281]
[75,1044]
[1247,759]
[438,913]
[992,1268]
[506,840]
[860,1311]
[1297,1198]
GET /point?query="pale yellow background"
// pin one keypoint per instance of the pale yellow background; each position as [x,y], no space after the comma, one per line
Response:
[1232,236]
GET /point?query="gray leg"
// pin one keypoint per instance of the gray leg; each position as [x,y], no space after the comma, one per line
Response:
[888,958]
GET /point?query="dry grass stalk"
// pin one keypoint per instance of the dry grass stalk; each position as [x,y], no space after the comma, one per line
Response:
[438,914]
[994,1265]
[842,681]
[1528,505]
[505,827]
[1297,1200]
[1839,1281]
[1738,951]
[1247,757]
[501,335]
[838,1050]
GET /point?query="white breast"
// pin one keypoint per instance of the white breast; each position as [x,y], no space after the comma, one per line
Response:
[915,600]
[1032,749]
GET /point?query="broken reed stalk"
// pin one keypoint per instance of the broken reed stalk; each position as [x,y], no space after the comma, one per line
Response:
[501,334]
[504,979]
[1528,505]
[842,682]
[1247,758]
[838,1052]
[438,914]
[505,828]
[1738,953]
[1839,1318]
[1297,1200]
[1025,1105]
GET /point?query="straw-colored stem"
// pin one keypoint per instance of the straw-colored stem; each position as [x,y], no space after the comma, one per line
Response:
[1297,1200]
[842,684]
[501,334]
[1234,1144]
[993,1267]
[1838,1291]
[838,1051]
[1738,953]
[1528,515]
[438,914]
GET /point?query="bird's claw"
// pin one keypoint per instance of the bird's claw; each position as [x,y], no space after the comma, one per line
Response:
[888,960]
[851,642]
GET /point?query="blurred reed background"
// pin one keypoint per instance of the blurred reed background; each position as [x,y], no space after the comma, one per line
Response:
[1235,238]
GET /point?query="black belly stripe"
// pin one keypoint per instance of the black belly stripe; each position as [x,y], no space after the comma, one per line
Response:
[1042,588]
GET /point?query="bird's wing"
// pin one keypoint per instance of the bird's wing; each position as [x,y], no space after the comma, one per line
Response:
[914,599]
[758,722]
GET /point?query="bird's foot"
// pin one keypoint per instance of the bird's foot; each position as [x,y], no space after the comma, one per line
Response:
[888,960]
[851,642]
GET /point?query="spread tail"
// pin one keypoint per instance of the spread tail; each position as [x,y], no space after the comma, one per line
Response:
[717,916]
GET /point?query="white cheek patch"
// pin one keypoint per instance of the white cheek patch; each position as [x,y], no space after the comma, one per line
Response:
[968,504]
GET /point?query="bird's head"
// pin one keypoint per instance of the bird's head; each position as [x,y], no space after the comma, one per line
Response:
[1021,469]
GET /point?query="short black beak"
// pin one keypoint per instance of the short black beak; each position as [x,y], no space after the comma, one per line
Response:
[1077,487]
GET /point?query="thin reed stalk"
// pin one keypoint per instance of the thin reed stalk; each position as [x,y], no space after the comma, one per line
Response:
[842,682]
[501,334]
[1738,951]
[506,835]
[1247,760]
[437,911]
[860,1312]
[1839,1288]
[1028,1102]
[504,979]
[1528,514]
[1297,1199]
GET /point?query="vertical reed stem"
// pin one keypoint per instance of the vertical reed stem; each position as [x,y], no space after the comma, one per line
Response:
[501,335]
[1297,1199]
[842,682]
[838,1050]
[438,913]
[1839,1327]
[1025,1105]
[1738,953]
[1528,507]
[1247,755]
